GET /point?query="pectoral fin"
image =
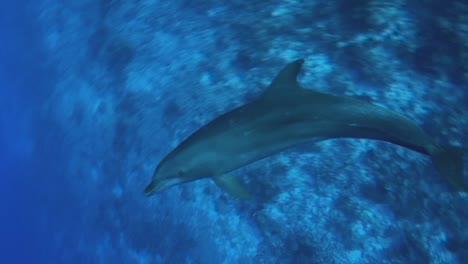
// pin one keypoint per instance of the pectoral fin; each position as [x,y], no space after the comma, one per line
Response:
[449,161]
[232,185]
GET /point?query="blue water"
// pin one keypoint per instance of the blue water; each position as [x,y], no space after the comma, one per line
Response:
[93,94]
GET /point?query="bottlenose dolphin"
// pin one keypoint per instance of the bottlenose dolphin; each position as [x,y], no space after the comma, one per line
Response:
[286,115]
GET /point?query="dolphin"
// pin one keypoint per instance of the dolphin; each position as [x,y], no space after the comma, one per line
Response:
[284,116]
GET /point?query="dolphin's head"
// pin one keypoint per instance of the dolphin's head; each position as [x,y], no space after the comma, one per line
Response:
[178,167]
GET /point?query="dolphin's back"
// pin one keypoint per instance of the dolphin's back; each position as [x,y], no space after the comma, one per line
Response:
[326,116]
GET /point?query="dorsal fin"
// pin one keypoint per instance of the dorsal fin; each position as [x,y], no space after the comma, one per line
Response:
[285,83]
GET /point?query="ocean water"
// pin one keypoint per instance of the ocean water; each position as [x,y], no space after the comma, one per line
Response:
[95,93]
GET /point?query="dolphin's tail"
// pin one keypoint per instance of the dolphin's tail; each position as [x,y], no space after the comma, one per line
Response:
[449,162]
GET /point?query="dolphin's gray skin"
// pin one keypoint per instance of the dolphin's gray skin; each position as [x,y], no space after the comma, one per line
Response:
[284,116]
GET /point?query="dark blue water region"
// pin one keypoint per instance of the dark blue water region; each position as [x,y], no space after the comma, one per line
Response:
[24,83]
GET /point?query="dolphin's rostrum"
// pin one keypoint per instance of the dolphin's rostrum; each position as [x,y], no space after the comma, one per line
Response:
[284,116]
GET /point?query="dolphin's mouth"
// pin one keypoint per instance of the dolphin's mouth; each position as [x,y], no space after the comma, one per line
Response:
[157,186]
[152,188]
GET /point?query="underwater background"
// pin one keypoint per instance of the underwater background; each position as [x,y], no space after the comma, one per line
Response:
[94,93]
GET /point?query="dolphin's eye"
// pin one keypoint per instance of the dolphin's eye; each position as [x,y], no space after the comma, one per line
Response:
[180,173]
